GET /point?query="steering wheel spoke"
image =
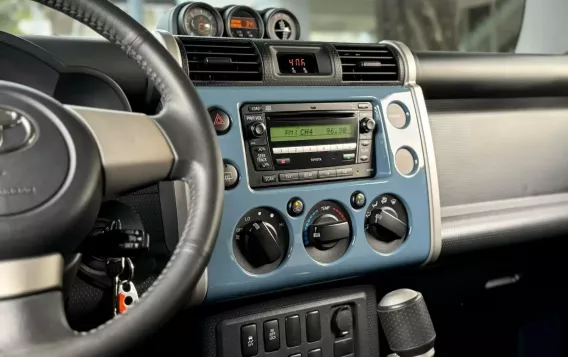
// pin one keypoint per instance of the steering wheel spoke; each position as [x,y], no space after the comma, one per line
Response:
[133,148]
[31,303]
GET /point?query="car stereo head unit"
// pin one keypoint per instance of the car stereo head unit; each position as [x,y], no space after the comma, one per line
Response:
[296,143]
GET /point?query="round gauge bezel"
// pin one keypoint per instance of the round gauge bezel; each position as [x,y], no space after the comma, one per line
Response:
[191,6]
[232,9]
[269,15]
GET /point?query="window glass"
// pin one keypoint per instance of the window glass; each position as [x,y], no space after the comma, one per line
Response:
[464,25]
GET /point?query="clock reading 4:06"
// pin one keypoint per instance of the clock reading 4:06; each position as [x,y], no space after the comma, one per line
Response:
[297,62]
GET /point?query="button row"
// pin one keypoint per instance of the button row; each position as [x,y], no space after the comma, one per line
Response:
[271,334]
[309,175]
[315,148]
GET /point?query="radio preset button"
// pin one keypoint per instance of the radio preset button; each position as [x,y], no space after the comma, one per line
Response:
[348,157]
[345,172]
[295,150]
[312,148]
[327,173]
[269,178]
[291,176]
[308,175]
[283,162]
[347,147]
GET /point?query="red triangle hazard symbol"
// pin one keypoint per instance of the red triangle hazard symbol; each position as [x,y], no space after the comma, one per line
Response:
[218,120]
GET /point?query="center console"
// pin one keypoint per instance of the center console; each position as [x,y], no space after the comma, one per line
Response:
[329,174]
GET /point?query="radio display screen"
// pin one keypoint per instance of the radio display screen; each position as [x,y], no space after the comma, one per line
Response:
[311,132]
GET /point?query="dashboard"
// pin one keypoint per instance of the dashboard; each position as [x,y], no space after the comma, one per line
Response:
[338,165]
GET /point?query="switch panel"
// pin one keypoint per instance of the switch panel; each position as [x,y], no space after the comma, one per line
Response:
[324,324]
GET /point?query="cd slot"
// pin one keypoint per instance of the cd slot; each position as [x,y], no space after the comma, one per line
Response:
[304,115]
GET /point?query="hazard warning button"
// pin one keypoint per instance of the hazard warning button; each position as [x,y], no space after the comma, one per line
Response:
[221,120]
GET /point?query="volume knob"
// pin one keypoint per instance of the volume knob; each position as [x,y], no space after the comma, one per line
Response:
[367,125]
[257,129]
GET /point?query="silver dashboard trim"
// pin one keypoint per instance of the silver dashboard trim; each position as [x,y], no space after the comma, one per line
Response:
[30,275]
[169,42]
[410,75]
[200,292]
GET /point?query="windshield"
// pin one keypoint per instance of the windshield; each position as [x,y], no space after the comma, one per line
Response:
[464,25]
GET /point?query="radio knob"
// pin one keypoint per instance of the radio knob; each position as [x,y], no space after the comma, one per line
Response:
[367,125]
[257,129]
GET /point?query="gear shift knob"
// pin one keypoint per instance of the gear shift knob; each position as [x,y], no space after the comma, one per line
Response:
[407,324]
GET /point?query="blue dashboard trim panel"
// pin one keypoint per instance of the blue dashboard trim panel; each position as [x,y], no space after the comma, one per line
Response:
[227,280]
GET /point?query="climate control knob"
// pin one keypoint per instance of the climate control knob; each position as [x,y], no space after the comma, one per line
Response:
[260,240]
[260,244]
[386,223]
[367,125]
[327,231]
[257,129]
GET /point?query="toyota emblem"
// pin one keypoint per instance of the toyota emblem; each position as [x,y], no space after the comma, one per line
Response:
[16,131]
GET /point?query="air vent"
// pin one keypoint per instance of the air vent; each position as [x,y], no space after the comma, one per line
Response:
[222,61]
[368,63]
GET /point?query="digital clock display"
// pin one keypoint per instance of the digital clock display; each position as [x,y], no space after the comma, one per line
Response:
[297,64]
[243,23]
[311,132]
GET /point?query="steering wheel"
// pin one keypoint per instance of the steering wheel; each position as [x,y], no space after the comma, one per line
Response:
[57,162]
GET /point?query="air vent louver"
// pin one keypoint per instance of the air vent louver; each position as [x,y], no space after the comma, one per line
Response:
[222,61]
[368,63]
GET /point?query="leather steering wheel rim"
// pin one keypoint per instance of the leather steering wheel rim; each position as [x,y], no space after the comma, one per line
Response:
[185,123]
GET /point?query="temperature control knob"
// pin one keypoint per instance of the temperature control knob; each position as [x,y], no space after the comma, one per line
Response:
[260,240]
[367,125]
[260,244]
[257,129]
[327,231]
[386,223]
